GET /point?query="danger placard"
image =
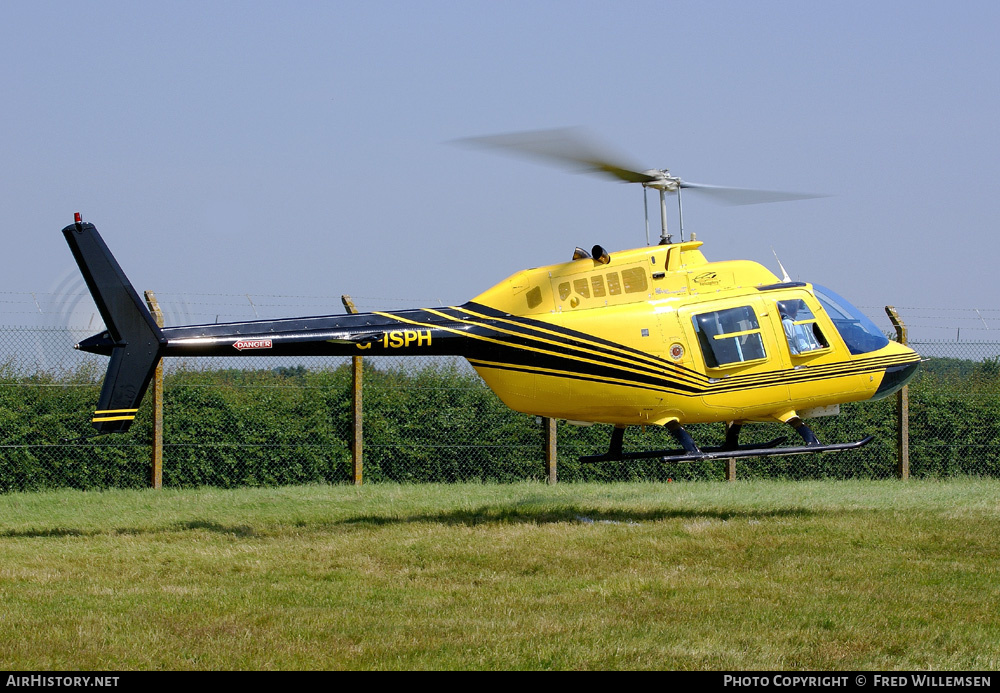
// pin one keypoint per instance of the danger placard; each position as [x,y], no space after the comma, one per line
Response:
[252,344]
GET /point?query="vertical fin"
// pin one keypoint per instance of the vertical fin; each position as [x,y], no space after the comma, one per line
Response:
[133,339]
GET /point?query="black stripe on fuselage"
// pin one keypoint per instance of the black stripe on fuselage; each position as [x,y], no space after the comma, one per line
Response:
[573,343]
[536,347]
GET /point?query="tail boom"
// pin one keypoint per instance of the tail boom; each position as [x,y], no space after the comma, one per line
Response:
[136,344]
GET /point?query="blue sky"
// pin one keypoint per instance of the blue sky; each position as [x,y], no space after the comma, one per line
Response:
[302,148]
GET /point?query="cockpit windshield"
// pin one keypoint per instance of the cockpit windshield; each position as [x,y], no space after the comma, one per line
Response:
[860,334]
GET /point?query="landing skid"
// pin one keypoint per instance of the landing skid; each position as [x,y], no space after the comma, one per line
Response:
[769,449]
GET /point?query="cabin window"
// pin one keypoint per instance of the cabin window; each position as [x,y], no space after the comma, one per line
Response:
[801,330]
[597,282]
[614,284]
[564,291]
[535,297]
[730,336]
[582,287]
[634,280]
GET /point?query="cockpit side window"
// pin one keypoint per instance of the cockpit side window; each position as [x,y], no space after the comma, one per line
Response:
[799,324]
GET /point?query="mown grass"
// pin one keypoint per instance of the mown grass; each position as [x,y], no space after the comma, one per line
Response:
[761,575]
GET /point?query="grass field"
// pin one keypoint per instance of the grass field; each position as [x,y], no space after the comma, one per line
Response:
[789,575]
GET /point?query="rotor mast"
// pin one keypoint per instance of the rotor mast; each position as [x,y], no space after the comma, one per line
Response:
[663,182]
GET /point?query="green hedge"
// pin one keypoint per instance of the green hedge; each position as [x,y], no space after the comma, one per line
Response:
[440,422]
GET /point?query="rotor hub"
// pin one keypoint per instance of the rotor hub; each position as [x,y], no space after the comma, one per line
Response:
[662,180]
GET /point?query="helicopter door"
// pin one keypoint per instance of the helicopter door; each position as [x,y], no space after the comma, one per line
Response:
[739,355]
[817,358]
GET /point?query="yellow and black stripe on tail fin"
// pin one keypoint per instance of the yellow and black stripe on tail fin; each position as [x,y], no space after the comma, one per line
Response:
[131,338]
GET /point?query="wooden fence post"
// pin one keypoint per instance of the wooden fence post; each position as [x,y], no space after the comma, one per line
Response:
[902,406]
[549,437]
[156,472]
[357,437]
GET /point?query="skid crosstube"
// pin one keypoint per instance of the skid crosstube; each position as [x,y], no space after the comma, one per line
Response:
[765,450]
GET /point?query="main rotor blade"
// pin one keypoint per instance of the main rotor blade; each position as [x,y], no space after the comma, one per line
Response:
[746,196]
[574,148]
[564,146]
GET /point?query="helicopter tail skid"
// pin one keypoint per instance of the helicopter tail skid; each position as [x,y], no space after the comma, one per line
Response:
[131,338]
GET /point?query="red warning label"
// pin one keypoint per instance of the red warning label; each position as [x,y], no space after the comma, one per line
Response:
[252,344]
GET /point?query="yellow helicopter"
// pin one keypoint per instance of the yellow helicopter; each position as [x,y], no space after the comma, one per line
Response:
[656,335]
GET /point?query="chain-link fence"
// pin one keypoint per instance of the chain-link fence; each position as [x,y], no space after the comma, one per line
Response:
[264,421]
[954,421]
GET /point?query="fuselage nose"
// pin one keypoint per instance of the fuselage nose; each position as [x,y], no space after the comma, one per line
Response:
[898,375]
